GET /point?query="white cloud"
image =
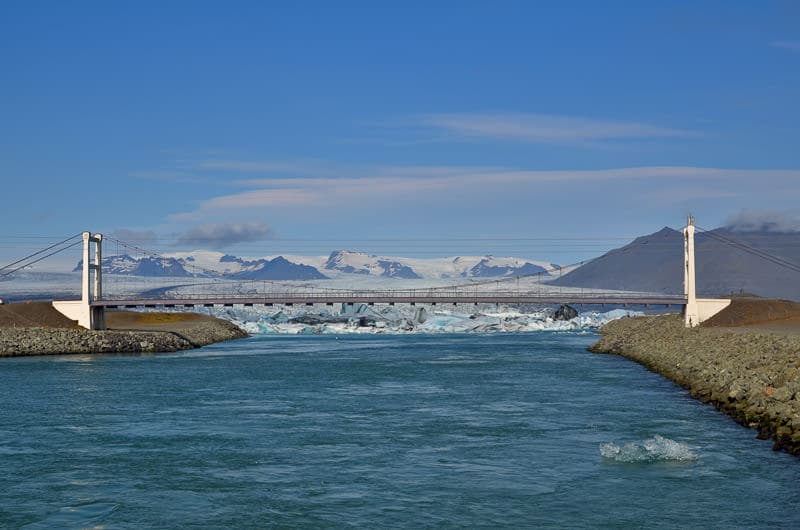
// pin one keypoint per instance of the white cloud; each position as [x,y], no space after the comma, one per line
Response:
[764,221]
[304,167]
[180,177]
[137,237]
[396,185]
[688,194]
[791,45]
[542,128]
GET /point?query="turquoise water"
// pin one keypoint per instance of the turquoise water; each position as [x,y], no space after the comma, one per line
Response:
[376,431]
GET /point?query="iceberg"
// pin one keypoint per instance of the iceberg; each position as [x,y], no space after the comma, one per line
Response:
[364,318]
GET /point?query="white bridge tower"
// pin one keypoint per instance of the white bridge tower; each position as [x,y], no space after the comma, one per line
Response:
[81,310]
[697,309]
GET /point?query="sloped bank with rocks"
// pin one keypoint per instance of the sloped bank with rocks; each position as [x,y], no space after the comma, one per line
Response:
[52,341]
[37,329]
[752,376]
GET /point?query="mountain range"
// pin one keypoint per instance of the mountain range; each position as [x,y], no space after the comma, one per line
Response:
[360,263]
[340,263]
[278,268]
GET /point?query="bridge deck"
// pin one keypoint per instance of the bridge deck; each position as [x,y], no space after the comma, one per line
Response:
[381,298]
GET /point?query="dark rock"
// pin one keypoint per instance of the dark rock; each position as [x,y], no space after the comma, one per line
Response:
[366,322]
[565,312]
[317,319]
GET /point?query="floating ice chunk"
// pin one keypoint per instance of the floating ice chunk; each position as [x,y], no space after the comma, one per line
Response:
[442,322]
[655,449]
[362,318]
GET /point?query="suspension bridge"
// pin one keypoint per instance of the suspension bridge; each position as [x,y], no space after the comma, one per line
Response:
[89,310]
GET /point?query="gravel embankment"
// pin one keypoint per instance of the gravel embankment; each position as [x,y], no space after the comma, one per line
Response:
[754,377]
[49,341]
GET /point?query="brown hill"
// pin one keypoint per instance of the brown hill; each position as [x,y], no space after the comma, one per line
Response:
[33,314]
[764,314]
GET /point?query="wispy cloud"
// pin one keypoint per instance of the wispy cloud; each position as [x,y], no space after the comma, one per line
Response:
[791,45]
[180,177]
[543,128]
[396,185]
[764,221]
[303,167]
[224,234]
[686,194]
[138,237]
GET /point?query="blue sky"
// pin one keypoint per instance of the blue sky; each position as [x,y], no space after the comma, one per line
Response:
[396,127]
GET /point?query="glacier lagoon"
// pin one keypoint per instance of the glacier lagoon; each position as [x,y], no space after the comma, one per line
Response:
[377,416]
[380,430]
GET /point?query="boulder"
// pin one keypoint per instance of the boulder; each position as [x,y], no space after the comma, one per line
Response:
[565,312]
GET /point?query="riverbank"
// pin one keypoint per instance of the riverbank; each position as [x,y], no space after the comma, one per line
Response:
[37,329]
[750,374]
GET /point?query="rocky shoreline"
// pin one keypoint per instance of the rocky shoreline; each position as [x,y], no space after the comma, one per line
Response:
[753,377]
[21,341]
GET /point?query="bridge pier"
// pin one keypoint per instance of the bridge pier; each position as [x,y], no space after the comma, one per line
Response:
[88,316]
[697,310]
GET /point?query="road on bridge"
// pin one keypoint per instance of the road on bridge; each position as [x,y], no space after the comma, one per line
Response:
[432,297]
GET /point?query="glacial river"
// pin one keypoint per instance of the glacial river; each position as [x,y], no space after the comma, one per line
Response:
[376,431]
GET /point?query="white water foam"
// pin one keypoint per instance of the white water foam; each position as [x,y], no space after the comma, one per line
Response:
[655,449]
[81,516]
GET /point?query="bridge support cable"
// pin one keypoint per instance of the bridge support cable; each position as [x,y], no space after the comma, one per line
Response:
[28,260]
[215,286]
[203,276]
[200,277]
[88,311]
[777,260]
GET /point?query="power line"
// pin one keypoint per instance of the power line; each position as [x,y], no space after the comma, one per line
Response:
[38,260]
[39,252]
[777,260]
[215,274]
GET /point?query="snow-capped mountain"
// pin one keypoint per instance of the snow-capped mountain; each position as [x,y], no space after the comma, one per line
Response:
[341,264]
[203,265]
[361,263]
[434,268]
[266,268]
[481,267]
[491,267]
[278,268]
[145,266]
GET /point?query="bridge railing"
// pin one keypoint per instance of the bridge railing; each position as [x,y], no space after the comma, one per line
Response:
[411,294]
